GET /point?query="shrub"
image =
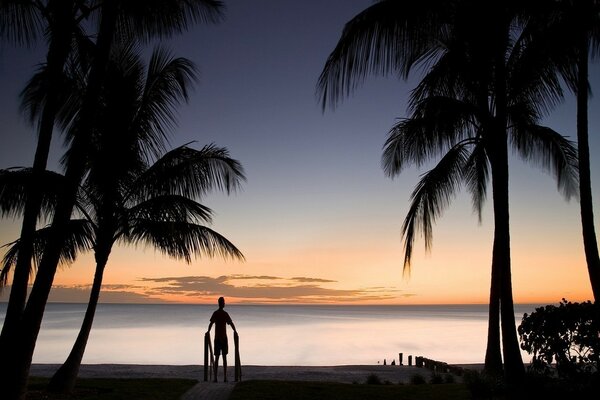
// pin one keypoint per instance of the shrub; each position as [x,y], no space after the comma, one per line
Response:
[373,379]
[567,335]
[436,379]
[482,385]
[449,378]
[417,379]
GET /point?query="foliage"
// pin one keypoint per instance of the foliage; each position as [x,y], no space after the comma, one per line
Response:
[483,386]
[417,379]
[373,379]
[567,335]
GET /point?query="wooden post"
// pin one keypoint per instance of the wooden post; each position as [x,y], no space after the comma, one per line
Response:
[400,358]
[206,344]
[238,363]
[409,361]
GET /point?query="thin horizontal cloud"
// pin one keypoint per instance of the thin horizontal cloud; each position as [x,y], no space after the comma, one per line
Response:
[276,289]
[237,288]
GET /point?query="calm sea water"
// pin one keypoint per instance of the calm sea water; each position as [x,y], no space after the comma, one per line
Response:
[270,334]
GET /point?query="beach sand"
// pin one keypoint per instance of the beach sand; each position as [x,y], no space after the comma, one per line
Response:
[221,391]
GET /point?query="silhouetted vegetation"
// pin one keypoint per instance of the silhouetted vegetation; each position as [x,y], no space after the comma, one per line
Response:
[564,341]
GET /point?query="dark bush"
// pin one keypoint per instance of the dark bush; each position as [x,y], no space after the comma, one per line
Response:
[563,338]
[417,379]
[373,379]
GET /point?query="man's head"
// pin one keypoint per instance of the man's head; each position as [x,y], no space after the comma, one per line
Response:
[221,302]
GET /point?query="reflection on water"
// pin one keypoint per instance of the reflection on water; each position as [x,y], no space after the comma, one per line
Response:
[270,334]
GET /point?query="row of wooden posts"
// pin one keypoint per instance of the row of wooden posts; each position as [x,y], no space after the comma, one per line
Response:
[209,359]
[436,366]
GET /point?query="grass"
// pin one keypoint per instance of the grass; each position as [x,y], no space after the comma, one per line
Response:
[114,389]
[294,390]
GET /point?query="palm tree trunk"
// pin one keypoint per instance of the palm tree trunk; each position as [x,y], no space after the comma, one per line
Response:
[64,379]
[493,354]
[513,364]
[56,58]
[590,243]
[28,330]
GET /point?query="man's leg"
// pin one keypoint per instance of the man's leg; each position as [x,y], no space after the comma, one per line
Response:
[225,367]
[217,365]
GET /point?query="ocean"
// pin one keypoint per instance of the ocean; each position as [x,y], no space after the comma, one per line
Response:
[271,334]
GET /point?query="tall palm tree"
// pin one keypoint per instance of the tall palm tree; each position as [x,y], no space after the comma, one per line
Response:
[134,202]
[132,19]
[573,32]
[21,22]
[471,59]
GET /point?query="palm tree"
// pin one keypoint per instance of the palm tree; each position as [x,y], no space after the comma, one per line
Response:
[572,30]
[22,22]
[133,202]
[155,208]
[130,18]
[475,63]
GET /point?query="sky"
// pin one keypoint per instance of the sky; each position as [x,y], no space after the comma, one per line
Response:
[317,219]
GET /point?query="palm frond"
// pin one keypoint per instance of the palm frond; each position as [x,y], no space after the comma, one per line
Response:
[166,87]
[431,196]
[14,184]
[21,22]
[189,172]
[389,37]
[552,152]
[147,19]
[80,238]
[181,240]
[437,124]
[477,172]
[169,208]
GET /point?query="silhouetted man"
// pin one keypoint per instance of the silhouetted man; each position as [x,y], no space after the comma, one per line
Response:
[220,318]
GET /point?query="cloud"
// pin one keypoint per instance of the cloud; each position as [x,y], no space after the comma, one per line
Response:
[275,289]
[240,288]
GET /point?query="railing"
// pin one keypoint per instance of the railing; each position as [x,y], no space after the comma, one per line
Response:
[209,358]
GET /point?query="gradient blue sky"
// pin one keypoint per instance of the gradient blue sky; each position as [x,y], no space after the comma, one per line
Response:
[317,219]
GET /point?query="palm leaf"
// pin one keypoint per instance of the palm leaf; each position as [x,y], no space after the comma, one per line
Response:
[181,240]
[80,238]
[388,37]
[477,172]
[146,19]
[431,196]
[551,151]
[189,172]
[14,184]
[169,208]
[437,124]
[166,87]
[21,21]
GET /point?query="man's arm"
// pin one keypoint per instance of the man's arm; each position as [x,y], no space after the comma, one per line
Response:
[209,326]
[230,322]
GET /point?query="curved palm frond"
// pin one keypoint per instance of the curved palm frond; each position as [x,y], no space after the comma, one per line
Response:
[436,125]
[80,238]
[189,172]
[551,151]
[388,37]
[181,240]
[431,196]
[20,21]
[477,172]
[146,19]
[169,208]
[166,87]
[15,183]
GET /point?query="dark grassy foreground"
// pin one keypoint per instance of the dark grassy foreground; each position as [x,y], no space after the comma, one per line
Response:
[296,390]
[115,389]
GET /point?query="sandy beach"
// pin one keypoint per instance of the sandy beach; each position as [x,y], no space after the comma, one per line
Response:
[221,391]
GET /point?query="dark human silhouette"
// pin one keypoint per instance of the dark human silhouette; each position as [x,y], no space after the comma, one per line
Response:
[220,318]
